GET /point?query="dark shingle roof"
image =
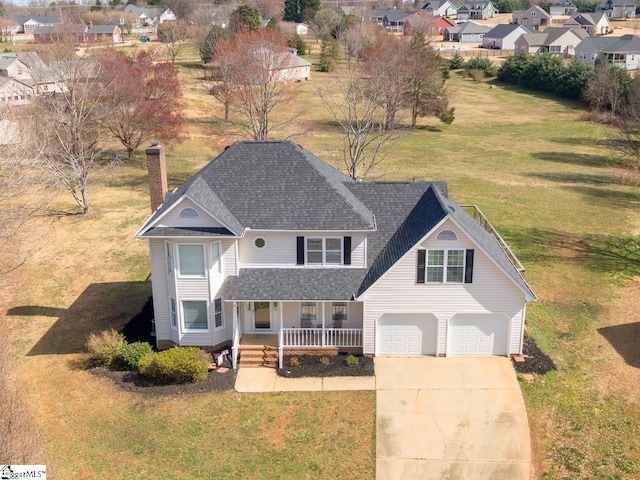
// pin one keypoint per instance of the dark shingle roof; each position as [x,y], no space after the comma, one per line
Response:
[313,284]
[276,186]
[624,44]
[504,29]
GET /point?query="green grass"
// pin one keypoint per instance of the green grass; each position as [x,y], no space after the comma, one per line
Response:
[542,176]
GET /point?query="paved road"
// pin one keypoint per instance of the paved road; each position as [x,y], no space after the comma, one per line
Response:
[450,418]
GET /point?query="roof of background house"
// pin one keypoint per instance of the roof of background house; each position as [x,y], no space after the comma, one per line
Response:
[60,28]
[596,43]
[281,186]
[102,29]
[624,44]
[22,19]
[587,18]
[469,28]
[504,29]
[397,15]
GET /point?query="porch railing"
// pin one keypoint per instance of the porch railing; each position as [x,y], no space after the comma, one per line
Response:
[322,337]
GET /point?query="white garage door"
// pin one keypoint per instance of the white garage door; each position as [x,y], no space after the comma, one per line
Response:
[407,334]
[479,334]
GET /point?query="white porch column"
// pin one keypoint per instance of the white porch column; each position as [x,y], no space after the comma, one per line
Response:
[236,337]
[280,334]
[324,333]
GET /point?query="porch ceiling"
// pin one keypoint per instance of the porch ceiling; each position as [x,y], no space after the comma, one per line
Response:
[313,284]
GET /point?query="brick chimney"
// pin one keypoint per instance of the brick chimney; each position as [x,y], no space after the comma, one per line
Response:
[157,167]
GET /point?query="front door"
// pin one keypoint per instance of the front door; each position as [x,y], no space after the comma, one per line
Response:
[262,316]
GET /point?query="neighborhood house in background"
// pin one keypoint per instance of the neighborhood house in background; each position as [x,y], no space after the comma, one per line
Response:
[269,243]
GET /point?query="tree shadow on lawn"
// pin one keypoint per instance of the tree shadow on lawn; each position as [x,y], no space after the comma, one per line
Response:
[575,159]
[601,253]
[624,339]
[100,306]
[594,188]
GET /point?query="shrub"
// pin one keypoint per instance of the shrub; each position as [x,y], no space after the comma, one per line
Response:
[294,362]
[132,353]
[176,365]
[477,75]
[105,347]
[324,360]
[447,116]
[456,62]
[481,63]
[352,360]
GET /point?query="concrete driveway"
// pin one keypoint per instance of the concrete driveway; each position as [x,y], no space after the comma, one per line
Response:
[450,418]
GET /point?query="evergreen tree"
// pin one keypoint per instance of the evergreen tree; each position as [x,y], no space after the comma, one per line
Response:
[329,54]
[245,17]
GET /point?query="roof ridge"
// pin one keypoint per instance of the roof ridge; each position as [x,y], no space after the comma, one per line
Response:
[345,194]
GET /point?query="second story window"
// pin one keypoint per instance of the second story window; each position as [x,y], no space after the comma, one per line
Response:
[324,251]
[191,260]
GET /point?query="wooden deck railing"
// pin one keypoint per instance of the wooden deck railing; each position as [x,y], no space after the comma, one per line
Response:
[321,337]
[479,217]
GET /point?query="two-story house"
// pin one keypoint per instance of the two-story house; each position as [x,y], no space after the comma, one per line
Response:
[269,244]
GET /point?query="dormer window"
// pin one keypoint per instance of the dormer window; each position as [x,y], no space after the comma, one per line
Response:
[189,212]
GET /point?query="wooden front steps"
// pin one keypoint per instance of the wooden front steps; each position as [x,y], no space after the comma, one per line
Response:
[257,356]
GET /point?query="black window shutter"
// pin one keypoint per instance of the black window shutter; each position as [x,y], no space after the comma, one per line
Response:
[422,254]
[300,250]
[346,254]
[468,269]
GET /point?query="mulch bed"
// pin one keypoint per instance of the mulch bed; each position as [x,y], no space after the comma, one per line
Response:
[535,360]
[133,382]
[310,366]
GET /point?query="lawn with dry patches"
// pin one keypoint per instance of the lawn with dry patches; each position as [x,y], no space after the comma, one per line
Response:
[542,175]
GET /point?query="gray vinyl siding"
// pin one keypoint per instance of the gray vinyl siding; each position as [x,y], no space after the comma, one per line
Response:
[172,218]
[280,249]
[159,289]
[491,292]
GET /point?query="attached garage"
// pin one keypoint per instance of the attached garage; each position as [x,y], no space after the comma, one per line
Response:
[477,335]
[406,334]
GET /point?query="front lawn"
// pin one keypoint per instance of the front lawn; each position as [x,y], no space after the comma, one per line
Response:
[541,175]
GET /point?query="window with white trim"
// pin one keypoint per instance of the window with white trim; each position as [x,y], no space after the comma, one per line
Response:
[324,251]
[218,318]
[194,316]
[216,258]
[191,260]
[339,313]
[445,266]
[170,263]
[308,313]
[174,313]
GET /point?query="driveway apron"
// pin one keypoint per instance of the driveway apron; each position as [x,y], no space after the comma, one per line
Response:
[450,418]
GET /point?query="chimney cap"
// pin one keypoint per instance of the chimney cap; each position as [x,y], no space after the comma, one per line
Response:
[154,143]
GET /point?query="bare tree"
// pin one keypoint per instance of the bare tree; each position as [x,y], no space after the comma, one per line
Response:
[7,27]
[356,38]
[72,142]
[607,89]
[258,70]
[361,115]
[384,64]
[324,22]
[19,204]
[173,34]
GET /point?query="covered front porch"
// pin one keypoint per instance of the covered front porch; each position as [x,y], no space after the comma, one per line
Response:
[297,325]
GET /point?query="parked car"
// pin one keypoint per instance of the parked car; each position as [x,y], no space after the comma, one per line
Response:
[145,38]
